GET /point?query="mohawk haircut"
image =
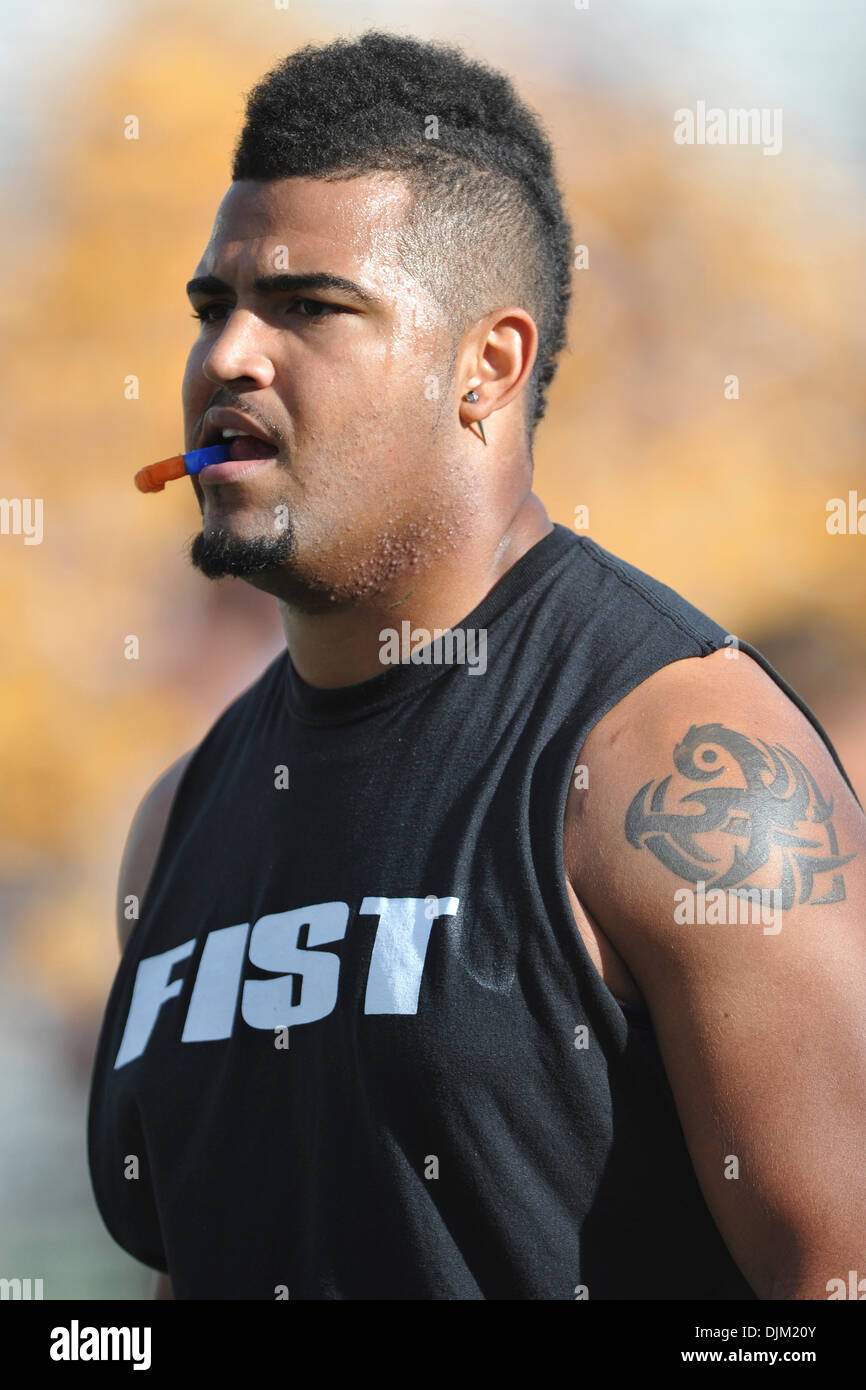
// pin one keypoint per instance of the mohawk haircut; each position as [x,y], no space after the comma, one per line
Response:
[486,226]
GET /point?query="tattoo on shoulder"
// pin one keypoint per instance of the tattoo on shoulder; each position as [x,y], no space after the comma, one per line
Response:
[763,796]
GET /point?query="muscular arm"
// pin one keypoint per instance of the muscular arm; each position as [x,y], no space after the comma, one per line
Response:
[707,772]
[139,857]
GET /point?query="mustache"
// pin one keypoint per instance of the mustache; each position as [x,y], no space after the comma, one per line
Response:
[224,400]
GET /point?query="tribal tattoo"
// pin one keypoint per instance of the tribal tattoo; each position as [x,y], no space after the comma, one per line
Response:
[770,801]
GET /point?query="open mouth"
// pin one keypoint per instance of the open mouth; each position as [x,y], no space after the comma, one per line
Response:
[247,446]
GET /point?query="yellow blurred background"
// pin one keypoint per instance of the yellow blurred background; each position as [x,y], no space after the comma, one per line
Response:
[703,262]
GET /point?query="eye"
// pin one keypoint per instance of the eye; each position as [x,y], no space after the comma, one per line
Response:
[320,307]
[306,308]
[204,314]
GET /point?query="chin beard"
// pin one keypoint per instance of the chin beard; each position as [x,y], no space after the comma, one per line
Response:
[218,553]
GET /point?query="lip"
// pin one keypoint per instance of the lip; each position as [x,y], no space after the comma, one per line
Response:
[222,418]
[233,469]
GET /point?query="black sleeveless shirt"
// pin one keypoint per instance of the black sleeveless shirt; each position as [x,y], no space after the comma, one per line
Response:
[356,1047]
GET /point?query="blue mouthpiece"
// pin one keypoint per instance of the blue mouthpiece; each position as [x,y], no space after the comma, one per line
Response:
[197,459]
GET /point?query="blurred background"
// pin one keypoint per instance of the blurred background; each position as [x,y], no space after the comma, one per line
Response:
[704,262]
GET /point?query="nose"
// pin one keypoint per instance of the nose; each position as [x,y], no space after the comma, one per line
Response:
[240,352]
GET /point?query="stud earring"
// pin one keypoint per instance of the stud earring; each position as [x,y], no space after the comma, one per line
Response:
[472,396]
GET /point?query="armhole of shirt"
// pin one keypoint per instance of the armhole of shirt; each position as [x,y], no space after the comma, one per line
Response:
[804,709]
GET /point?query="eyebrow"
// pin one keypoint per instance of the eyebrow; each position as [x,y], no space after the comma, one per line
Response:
[268,284]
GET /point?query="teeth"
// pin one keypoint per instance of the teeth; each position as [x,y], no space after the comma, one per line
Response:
[234,434]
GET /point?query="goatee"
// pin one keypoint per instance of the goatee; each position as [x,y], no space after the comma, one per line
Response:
[218,553]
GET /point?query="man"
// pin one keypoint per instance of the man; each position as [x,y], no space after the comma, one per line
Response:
[504,939]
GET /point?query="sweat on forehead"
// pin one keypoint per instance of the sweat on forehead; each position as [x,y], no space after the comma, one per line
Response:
[348,233]
[351,216]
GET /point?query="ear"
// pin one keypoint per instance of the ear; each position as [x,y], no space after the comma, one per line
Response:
[495,360]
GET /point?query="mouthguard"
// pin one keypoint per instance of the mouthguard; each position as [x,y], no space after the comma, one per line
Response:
[154,477]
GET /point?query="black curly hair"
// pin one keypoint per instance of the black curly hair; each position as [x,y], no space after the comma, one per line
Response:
[483,187]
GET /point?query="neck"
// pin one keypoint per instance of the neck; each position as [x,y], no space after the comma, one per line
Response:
[341,647]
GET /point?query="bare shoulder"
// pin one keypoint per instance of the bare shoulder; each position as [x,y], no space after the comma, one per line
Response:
[723,854]
[727,680]
[143,843]
[710,767]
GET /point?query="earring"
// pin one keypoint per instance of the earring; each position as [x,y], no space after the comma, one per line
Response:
[472,396]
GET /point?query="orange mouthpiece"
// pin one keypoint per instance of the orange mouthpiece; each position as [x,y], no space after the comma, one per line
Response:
[154,477]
